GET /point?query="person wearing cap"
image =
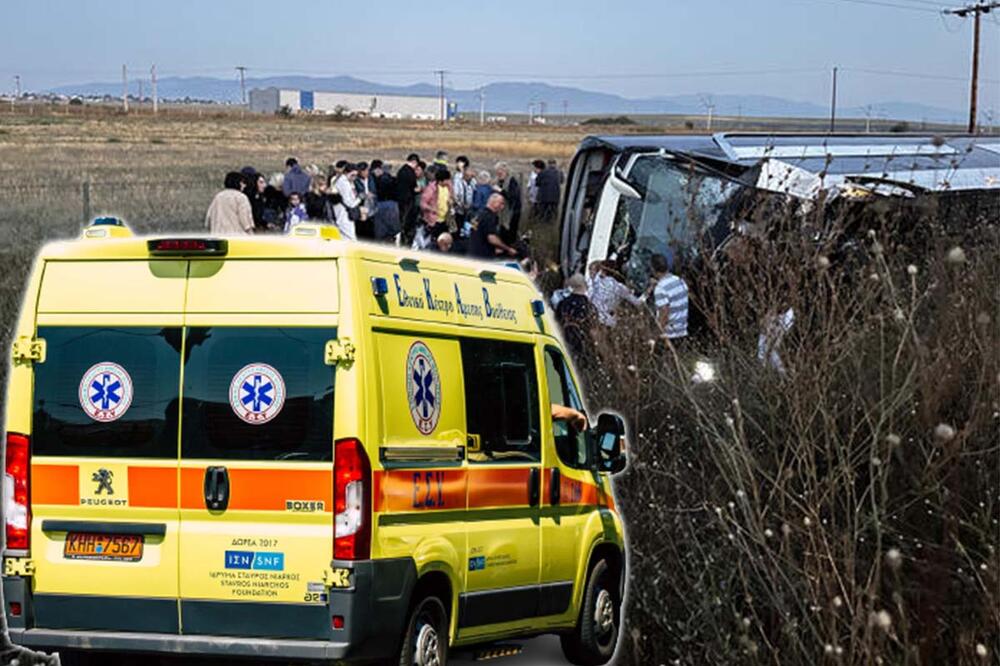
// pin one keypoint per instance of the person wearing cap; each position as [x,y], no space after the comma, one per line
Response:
[441,159]
[296,180]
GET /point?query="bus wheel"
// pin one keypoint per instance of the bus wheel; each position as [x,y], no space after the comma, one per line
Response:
[594,640]
[426,639]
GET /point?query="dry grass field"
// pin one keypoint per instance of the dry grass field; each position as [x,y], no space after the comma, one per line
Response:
[160,173]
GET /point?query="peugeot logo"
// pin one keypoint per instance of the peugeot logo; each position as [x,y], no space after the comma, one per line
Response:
[102,478]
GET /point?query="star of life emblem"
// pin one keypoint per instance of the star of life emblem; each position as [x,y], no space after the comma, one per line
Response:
[105,392]
[423,388]
[257,393]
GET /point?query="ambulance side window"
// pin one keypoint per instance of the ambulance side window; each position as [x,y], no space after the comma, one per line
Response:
[501,401]
[570,446]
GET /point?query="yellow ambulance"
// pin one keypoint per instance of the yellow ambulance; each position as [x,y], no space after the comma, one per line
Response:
[300,448]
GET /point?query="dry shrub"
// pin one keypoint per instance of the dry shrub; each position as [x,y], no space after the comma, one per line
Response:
[843,509]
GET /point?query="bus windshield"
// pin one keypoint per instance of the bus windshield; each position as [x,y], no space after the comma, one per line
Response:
[681,209]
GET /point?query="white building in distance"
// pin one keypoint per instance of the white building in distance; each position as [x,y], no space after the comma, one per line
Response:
[373,105]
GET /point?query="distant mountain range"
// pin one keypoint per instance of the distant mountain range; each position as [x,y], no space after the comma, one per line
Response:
[514,97]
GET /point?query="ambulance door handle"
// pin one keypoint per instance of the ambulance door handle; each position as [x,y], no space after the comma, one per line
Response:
[216,488]
[534,490]
[555,487]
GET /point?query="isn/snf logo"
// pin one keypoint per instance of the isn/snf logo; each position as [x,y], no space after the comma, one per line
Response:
[255,561]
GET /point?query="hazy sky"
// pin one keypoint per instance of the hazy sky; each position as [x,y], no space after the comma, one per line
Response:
[726,46]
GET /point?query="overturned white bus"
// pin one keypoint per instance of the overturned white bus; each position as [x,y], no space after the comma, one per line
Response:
[629,197]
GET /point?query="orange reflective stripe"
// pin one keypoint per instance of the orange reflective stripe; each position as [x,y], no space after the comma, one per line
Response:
[498,487]
[152,487]
[55,484]
[261,489]
[409,490]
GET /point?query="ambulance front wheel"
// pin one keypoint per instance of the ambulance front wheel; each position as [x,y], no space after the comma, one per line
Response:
[594,639]
[426,639]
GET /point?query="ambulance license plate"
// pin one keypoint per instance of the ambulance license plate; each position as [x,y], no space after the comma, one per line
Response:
[112,547]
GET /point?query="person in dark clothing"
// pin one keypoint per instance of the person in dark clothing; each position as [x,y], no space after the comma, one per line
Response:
[296,180]
[547,198]
[275,204]
[316,207]
[511,190]
[255,193]
[578,317]
[406,191]
[385,183]
[385,223]
[485,241]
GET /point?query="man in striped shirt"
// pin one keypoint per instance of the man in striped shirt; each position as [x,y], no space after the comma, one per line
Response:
[670,296]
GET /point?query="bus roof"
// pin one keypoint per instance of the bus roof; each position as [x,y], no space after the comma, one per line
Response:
[927,162]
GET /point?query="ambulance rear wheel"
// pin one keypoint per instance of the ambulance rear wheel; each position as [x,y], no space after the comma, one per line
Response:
[594,640]
[426,639]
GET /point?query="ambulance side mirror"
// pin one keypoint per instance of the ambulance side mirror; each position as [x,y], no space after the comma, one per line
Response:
[608,444]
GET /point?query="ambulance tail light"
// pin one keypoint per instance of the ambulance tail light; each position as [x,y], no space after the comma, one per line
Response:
[173,247]
[17,511]
[352,530]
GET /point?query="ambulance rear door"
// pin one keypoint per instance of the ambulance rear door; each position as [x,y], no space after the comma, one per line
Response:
[105,411]
[257,448]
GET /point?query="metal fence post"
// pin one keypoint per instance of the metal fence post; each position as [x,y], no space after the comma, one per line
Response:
[85,190]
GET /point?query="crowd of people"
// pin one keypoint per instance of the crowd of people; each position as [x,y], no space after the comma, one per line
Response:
[449,209]
[443,207]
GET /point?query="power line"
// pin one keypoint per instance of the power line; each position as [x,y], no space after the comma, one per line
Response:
[894,5]
[912,75]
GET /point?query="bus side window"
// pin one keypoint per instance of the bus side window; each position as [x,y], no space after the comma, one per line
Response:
[571,446]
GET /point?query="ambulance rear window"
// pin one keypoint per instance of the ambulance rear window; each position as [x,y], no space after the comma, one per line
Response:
[258,394]
[107,392]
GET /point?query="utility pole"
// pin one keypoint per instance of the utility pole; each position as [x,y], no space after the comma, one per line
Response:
[977,10]
[140,93]
[482,106]
[17,86]
[709,104]
[441,73]
[243,84]
[868,119]
[542,107]
[833,103]
[156,101]
[531,113]
[124,89]
[565,105]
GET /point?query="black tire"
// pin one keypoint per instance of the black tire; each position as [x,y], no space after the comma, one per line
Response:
[595,637]
[425,642]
